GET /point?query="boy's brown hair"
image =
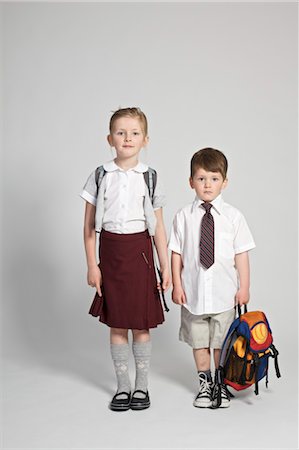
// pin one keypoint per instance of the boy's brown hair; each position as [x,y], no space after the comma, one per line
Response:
[133,112]
[211,160]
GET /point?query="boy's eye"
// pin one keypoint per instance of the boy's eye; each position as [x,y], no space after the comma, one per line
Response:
[201,179]
[120,133]
[136,133]
[215,179]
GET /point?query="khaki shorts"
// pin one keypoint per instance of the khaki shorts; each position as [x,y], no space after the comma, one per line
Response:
[205,330]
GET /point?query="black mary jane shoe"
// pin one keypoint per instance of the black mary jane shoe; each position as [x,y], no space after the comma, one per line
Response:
[120,404]
[138,403]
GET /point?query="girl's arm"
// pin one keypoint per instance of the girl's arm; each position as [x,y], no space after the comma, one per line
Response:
[242,266]
[160,240]
[94,277]
[178,294]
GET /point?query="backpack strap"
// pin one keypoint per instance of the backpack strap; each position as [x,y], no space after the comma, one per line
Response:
[99,175]
[239,309]
[275,354]
[150,178]
[256,367]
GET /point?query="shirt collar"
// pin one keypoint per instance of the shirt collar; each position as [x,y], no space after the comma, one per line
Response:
[217,203]
[110,166]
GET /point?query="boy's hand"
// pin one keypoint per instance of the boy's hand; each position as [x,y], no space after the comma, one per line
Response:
[242,296]
[178,296]
[94,279]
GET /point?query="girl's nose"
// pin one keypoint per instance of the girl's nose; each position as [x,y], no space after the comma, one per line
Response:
[127,138]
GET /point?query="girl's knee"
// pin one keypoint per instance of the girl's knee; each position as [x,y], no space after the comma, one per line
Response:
[141,335]
[119,335]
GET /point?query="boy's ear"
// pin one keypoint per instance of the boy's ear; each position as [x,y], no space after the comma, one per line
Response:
[191,182]
[224,184]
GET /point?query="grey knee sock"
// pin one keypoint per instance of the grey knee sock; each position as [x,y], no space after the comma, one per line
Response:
[142,354]
[120,356]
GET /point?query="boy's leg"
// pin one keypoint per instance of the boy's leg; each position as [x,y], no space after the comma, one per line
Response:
[202,358]
[142,348]
[120,355]
[217,352]
[195,331]
[202,361]
[220,324]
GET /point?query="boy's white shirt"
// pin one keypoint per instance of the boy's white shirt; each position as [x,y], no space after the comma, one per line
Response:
[123,205]
[212,290]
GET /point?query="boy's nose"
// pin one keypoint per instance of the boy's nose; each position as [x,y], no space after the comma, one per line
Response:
[127,138]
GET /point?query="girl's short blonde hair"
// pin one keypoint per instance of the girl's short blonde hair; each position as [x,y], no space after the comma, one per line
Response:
[133,112]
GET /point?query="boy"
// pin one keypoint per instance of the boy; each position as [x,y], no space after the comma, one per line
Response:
[209,240]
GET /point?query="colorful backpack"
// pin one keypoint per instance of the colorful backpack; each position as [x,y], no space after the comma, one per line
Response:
[245,352]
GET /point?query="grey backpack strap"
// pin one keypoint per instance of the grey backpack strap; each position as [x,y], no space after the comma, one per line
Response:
[99,175]
[150,178]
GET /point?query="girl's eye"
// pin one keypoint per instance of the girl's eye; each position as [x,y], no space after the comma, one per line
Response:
[201,179]
[215,179]
[120,133]
[136,133]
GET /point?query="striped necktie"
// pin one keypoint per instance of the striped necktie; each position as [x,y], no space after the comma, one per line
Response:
[206,244]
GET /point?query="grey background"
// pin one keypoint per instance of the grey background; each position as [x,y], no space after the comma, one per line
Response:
[206,74]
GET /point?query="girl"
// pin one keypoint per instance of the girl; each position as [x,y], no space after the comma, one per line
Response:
[118,206]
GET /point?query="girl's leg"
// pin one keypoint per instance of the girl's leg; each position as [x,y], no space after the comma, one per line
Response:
[120,355]
[142,353]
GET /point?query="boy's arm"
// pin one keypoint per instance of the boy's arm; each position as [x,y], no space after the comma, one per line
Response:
[178,294]
[242,266]
[94,277]
[160,240]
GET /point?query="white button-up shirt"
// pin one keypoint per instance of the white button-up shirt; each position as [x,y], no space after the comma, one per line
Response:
[210,290]
[122,202]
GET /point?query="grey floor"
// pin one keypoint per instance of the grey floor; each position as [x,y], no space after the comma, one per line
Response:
[55,402]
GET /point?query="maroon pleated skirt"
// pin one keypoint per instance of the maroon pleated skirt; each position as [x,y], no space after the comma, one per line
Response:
[130,296]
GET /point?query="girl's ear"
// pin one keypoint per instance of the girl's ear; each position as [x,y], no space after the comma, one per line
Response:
[146,139]
[191,182]
[109,139]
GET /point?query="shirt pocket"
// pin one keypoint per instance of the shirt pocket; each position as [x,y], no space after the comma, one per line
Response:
[226,245]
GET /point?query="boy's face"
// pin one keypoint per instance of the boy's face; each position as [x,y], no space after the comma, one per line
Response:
[207,185]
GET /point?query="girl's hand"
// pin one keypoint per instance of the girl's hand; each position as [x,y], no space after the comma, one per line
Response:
[94,279]
[166,280]
[242,297]
[178,296]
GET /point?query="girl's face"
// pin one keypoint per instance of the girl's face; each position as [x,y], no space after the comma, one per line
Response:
[207,185]
[127,137]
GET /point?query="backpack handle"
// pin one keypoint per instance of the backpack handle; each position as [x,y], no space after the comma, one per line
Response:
[239,309]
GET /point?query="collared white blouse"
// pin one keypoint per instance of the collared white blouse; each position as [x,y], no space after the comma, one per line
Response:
[122,204]
[210,290]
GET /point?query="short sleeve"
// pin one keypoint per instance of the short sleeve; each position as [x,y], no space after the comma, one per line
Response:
[243,240]
[159,199]
[175,239]
[89,192]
